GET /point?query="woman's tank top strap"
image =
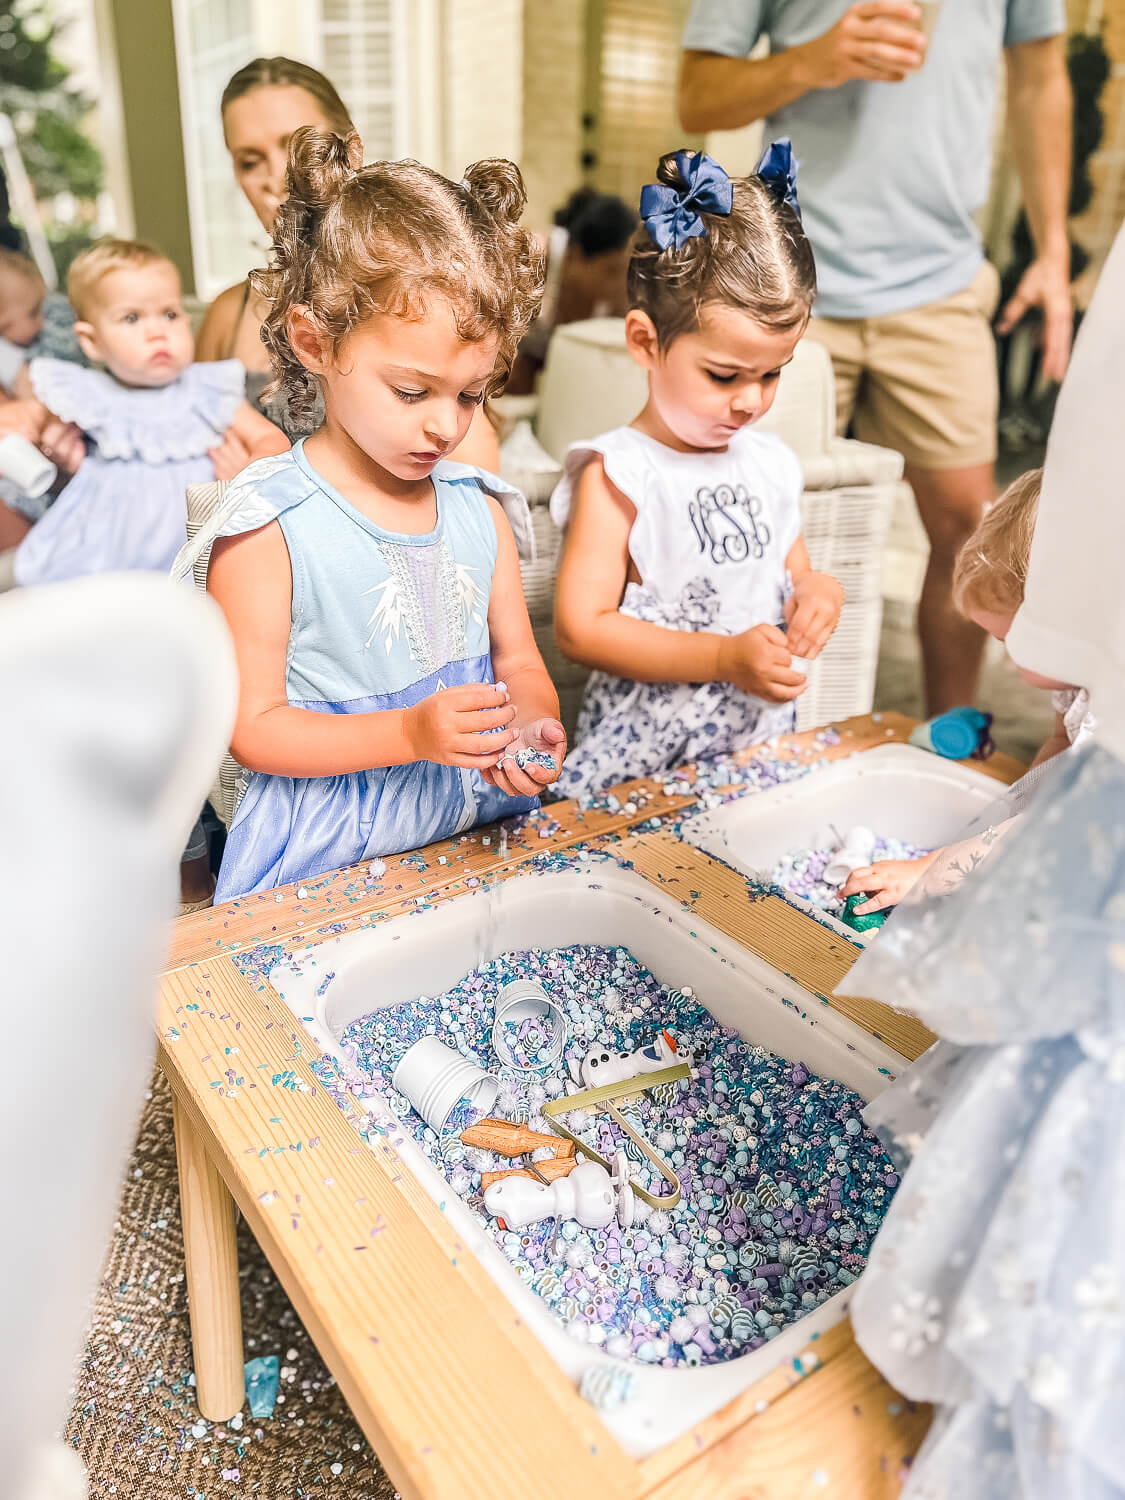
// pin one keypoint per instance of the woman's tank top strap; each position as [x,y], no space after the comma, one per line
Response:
[232,343]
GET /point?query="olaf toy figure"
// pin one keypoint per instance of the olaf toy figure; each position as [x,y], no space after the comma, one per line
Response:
[601,1066]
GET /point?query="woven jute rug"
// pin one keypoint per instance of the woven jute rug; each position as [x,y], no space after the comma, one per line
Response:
[134,1421]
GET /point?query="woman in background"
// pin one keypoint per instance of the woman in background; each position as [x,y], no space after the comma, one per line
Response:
[262,106]
[587,256]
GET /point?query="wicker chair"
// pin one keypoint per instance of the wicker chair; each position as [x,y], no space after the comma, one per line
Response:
[591,384]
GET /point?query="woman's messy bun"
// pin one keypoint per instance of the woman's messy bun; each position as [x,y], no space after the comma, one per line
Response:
[351,241]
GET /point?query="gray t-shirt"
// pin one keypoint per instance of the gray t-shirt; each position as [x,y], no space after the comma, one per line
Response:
[891,174]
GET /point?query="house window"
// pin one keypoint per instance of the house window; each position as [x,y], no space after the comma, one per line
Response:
[361,51]
[213,39]
[357,43]
[638,69]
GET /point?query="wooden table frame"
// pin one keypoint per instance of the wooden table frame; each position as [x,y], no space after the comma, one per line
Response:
[454,1393]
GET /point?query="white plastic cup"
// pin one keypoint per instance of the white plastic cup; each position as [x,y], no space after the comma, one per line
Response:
[435,1079]
[25,466]
[525,999]
[930,9]
[859,846]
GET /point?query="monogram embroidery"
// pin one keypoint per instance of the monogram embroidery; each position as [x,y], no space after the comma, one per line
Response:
[726,521]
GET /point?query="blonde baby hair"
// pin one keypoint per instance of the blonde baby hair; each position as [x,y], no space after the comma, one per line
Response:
[90,267]
[991,569]
[15,263]
[351,241]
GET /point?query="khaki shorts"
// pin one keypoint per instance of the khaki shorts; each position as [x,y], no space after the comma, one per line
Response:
[922,382]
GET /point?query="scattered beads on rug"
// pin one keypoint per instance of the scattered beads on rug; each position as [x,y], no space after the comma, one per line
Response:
[802,871]
[783,1189]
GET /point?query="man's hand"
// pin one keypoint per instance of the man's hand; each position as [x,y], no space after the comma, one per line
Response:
[879,40]
[1046,285]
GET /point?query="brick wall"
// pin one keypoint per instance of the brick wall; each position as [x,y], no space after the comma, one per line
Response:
[482,67]
[554,62]
[1096,228]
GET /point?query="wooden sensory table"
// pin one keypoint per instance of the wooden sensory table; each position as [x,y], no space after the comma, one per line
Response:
[455,1395]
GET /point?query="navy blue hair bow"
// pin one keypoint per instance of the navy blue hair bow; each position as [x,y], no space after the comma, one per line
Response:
[672,215]
[778,170]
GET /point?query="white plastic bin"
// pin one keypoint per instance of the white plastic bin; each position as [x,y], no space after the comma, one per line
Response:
[899,791]
[426,954]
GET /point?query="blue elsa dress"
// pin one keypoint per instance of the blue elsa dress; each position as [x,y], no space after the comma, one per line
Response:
[380,620]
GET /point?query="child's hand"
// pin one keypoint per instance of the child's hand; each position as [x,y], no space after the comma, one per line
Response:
[230,457]
[545,737]
[451,727]
[63,444]
[886,882]
[758,661]
[812,611]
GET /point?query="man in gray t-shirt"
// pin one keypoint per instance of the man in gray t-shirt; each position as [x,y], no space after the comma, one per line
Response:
[889,105]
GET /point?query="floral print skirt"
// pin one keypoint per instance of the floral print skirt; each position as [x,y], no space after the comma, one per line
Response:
[629,729]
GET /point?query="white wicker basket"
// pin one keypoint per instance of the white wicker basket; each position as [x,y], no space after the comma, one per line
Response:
[201,502]
[845,531]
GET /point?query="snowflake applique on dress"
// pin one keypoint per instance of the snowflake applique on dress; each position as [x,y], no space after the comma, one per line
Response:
[430,596]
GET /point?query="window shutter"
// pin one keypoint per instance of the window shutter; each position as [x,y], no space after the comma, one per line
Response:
[640,64]
[360,48]
[213,39]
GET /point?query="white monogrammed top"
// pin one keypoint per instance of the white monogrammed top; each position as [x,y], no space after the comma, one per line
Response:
[725,518]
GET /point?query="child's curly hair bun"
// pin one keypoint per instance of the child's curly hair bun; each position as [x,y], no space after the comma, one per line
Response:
[320,164]
[497,187]
[351,241]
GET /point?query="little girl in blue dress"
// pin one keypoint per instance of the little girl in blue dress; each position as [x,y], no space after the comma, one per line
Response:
[154,421]
[372,589]
[684,565]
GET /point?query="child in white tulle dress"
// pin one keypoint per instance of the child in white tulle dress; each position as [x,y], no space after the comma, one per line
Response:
[154,422]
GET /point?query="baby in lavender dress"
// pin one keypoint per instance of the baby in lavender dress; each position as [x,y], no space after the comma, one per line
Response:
[154,422]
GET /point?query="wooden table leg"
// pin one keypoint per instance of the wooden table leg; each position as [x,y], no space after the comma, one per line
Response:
[211,1256]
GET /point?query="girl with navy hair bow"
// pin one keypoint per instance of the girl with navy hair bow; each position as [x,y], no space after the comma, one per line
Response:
[685,582]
